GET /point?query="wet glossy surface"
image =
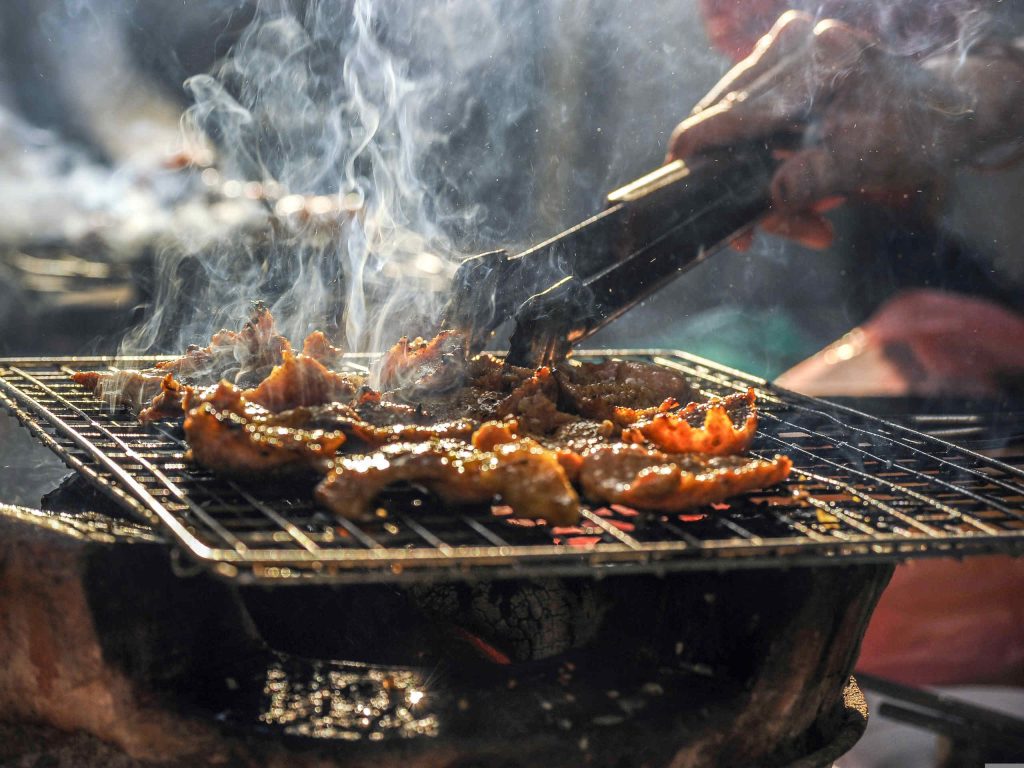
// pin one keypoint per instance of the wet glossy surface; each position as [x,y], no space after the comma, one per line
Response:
[28,470]
[342,701]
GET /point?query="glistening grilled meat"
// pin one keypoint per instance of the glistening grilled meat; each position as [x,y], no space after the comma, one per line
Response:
[131,388]
[649,479]
[243,357]
[526,476]
[534,403]
[595,390]
[472,431]
[300,380]
[699,427]
[167,403]
[228,433]
[421,366]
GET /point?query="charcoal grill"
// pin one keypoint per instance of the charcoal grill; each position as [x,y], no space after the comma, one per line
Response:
[862,490]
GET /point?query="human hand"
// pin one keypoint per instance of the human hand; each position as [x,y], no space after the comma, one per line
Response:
[871,121]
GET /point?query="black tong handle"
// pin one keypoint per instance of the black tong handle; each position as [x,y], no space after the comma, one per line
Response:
[567,287]
[665,223]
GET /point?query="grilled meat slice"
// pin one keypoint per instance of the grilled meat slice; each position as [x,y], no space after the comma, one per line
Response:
[526,477]
[129,387]
[531,397]
[487,386]
[155,394]
[464,402]
[495,433]
[739,406]
[302,381]
[228,433]
[242,357]
[648,479]
[386,421]
[534,403]
[374,436]
[488,372]
[595,389]
[701,427]
[319,347]
[168,403]
[583,434]
[418,366]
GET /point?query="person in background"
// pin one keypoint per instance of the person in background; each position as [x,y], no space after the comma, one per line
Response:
[892,99]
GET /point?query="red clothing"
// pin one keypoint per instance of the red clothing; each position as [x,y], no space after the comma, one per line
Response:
[944,622]
[909,27]
[921,342]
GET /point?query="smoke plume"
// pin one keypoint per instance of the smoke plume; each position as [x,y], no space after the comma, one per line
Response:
[392,139]
[348,114]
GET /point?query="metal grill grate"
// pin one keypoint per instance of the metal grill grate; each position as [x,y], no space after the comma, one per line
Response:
[862,490]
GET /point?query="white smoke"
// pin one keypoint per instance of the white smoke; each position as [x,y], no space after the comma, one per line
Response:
[357,104]
[427,131]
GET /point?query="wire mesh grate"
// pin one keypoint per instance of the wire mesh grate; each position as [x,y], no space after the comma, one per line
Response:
[862,490]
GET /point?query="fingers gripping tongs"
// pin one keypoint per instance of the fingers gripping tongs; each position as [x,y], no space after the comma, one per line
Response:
[565,289]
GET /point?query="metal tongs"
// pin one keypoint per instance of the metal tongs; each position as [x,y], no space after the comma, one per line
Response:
[565,289]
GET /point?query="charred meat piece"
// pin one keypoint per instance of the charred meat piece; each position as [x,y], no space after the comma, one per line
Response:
[168,403]
[648,479]
[534,403]
[488,372]
[420,366]
[483,396]
[387,422]
[464,402]
[227,433]
[739,406]
[583,434]
[230,432]
[242,357]
[319,347]
[372,407]
[700,427]
[492,392]
[595,389]
[374,436]
[302,381]
[495,433]
[524,475]
[128,387]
